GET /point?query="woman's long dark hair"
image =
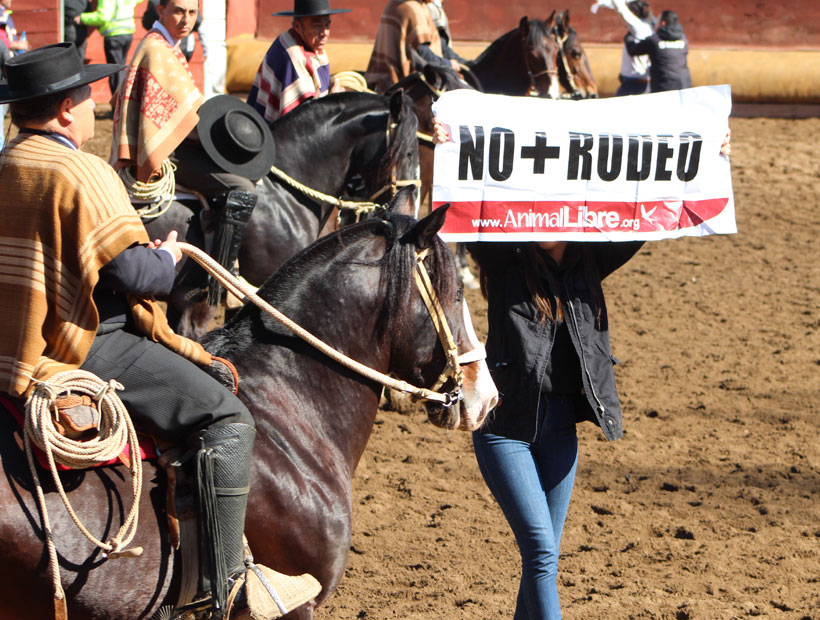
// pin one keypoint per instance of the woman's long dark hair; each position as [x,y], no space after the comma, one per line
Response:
[537,271]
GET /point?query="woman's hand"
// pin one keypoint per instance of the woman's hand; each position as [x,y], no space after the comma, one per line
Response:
[440,133]
[726,147]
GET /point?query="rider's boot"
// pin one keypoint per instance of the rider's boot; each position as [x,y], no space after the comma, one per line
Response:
[224,460]
[234,209]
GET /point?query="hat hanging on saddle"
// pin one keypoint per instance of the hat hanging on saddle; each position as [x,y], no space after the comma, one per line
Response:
[47,70]
[235,137]
[309,8]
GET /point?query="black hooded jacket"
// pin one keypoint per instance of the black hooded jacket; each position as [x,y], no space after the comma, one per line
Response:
[519,344]
[667,49]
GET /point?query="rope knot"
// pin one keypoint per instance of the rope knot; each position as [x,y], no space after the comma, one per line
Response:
[112,385]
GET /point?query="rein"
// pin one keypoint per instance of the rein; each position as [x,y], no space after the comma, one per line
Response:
[358,207]
[422,277]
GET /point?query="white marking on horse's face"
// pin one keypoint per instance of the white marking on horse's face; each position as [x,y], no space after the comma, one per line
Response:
[479,391]
[554,90]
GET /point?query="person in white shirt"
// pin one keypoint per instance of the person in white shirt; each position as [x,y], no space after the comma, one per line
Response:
[637,16]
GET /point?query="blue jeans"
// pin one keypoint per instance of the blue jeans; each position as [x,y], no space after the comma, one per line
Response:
[532,483]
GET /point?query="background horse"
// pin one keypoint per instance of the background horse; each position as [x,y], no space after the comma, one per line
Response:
[519,61]
[574,72]
[348,144]
[313,422]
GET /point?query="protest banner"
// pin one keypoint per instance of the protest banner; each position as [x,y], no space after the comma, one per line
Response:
[620,169]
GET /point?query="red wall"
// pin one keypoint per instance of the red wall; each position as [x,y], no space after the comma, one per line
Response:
[39,18]
[717,23]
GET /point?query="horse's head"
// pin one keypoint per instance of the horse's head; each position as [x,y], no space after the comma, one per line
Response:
[433,342]
[386,156]
[574,72]
[541,53]
[426,85]
[423,87]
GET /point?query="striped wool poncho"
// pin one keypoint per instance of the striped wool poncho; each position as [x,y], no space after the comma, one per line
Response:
[65,215]
[404,26]
[289,75]
[155,108]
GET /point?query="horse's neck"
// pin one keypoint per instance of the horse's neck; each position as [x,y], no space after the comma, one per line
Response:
[502,68]
[289,381]
[318,160]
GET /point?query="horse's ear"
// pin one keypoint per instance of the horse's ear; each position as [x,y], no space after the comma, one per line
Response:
[396,104]
[524,25]
[404,202]
[550,19]
[562,22]
[423,234]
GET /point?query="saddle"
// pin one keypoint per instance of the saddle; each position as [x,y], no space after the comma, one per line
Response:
[77,420]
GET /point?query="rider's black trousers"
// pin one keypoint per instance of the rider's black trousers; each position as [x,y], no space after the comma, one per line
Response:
[166,395]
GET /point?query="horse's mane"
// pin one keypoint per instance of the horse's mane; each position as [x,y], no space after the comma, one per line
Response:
[395,266]
[537,32]
[493,47]
[403,138]
[316,113]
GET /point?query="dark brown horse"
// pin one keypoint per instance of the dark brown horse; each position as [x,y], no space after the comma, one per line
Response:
[313,421]
[574,72]
[520,61]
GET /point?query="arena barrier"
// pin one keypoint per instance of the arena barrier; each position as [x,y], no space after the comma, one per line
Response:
[756,76]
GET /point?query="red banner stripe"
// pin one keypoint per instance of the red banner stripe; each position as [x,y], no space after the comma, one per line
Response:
[560,216]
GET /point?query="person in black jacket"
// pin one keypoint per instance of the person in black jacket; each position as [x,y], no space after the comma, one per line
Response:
[549,354]
[667,49]
[74,32]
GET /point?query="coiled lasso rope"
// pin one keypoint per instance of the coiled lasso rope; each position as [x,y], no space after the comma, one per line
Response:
[351,80]
[158,193]
[115,430]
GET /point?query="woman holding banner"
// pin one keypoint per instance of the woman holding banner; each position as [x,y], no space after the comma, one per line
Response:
[549,352]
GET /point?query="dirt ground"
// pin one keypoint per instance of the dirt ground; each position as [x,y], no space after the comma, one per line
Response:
[709,508]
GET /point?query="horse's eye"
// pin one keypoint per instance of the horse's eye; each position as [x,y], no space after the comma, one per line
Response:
[576,54]
[459,294]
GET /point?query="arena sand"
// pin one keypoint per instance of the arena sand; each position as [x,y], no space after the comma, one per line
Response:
[709,507]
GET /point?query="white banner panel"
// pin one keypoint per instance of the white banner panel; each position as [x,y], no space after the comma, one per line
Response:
[618,169]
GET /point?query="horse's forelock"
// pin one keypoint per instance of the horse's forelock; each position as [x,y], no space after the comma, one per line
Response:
[537,34]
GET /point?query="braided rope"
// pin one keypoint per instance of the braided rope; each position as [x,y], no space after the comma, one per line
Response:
[116,429]
[162,189]
[358,207]
[352,81]
[241,289]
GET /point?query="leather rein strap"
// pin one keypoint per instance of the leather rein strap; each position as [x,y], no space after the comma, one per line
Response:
[446,399]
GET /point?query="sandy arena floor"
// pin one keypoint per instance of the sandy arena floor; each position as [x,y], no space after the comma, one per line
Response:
[709,508]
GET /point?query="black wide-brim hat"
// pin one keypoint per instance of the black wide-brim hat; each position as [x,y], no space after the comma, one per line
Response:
[235,136]
[47,70]
[309,8]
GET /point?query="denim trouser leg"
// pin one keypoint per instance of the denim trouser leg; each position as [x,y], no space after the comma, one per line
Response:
[532,483]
